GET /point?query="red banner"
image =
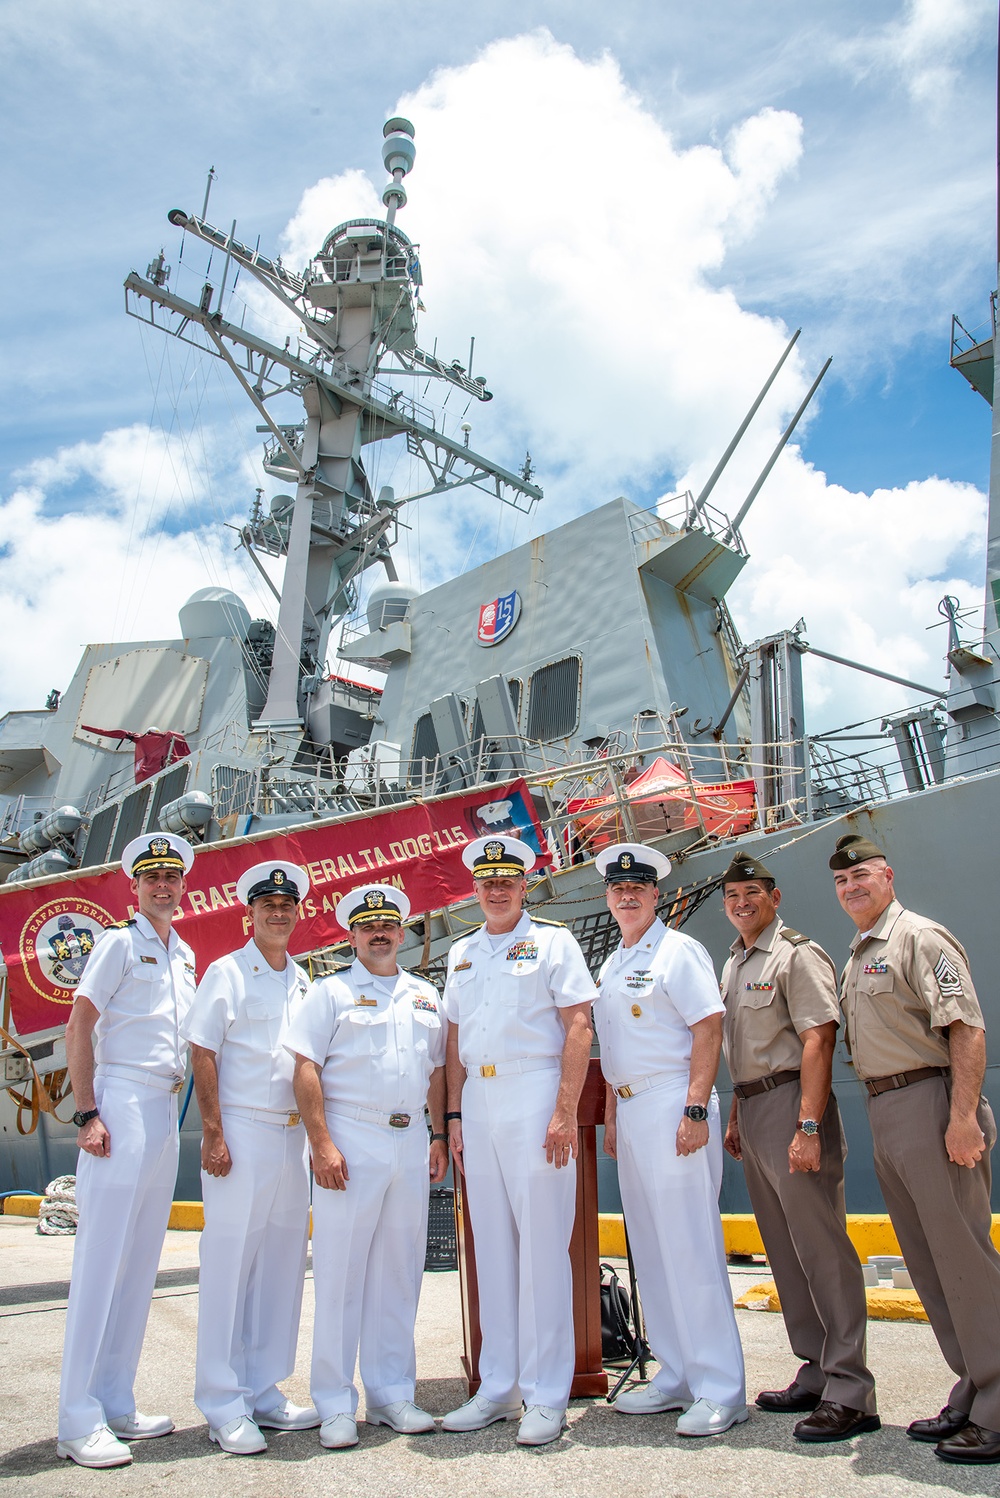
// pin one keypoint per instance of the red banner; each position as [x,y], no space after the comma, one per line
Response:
[47,931]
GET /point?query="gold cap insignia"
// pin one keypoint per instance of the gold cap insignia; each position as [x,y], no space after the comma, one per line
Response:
[494,852]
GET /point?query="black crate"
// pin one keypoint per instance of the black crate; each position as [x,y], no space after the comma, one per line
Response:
[442,1246]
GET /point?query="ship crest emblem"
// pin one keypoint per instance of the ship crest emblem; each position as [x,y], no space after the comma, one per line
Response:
[497,618]
[54,946]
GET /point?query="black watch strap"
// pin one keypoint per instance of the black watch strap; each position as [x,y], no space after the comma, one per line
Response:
[696,1112]
[84,1118]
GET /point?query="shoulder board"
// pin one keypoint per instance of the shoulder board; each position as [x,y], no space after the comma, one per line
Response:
[121,925]
[335,972]
[471,931]
[795,937]
[538,920]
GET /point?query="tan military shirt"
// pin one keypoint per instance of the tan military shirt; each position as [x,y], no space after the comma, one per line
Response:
[783,985]
[903,986]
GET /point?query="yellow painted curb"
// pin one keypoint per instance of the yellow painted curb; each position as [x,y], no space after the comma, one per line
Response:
[22,1206]
[884,1303]
[870,1232]
[188,1216]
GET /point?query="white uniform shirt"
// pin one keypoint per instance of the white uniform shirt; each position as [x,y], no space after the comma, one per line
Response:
[650,995]
[143,992]
[241,1012]
[505,999]
[377,1047]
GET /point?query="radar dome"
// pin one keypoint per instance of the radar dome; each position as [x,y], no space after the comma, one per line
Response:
[214,613]
[387,604]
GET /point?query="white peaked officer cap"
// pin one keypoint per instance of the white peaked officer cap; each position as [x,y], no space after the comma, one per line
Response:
[272,878]
[631,863]
[498,857]
[372,902]
[157,850]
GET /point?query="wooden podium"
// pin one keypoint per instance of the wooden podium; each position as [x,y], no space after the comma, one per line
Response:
[589,1377]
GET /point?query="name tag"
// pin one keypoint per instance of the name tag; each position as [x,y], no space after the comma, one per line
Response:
[154,962]
[522,951]
[876,967]
[425,1004]
[461,967]
[365,1003]
[759,987]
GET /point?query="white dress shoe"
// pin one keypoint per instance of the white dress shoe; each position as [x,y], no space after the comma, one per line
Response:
[136,1427]
[240,1437]
[707,1419]
[647,1399]
[288,1416]
[101,1448]
[478,1412]
[540,1424]
[339,1430]
[405,1416]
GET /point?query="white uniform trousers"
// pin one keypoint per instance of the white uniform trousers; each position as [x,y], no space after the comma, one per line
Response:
[671,1206]
[369,1246]
[253,1261]
[124,1200]
[522,1212]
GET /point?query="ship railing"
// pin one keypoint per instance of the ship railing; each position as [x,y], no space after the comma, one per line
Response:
[21,812]
[681,512]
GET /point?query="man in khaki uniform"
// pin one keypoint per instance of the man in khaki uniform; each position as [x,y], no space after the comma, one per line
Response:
[915,1032]
[779,1032]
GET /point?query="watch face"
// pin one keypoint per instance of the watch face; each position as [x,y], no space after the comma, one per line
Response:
[696,1113]
[809,1126]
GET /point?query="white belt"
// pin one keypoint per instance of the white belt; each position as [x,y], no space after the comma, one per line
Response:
[510,1068]
[373,1115]
[284,1116]
[655,1079]
[144,1078]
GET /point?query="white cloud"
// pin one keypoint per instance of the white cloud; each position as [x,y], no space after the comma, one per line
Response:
[924,46]
[101,542]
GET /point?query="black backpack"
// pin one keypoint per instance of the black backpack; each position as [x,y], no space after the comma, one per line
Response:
[617,1333]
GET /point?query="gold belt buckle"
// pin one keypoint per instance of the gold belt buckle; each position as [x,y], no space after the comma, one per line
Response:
[293,1119]
[399,1120]
[623,1091]
[178,1083]
[487,1071]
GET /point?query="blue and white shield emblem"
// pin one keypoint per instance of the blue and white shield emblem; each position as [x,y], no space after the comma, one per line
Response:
[497,619]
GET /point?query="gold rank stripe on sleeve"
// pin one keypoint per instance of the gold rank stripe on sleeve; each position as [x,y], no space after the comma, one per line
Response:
[949,979]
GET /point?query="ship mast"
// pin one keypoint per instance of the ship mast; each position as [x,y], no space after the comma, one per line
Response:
[356,304]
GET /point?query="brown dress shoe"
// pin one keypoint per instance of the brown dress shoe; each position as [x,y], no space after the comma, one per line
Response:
[791,1401]
[973,1443]
[835,1422]
[938,1427]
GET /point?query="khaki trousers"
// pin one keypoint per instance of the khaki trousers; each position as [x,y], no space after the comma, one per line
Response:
[941,1214]
[814,1263]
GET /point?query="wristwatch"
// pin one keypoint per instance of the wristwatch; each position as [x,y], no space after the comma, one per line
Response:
[84,1118]
[696,1113]
[808,1126]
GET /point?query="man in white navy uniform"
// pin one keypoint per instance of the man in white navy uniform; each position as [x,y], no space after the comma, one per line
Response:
[369,1047]
[518,999]
[659,1022]
[255,1179]
[127,1060]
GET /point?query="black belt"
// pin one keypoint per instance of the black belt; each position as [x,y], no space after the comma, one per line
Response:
[876,1085]
[764,1084]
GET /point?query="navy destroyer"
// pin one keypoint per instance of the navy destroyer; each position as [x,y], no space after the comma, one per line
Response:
[629,709]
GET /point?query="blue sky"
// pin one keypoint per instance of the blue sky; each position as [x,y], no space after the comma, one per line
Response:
[830,167]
